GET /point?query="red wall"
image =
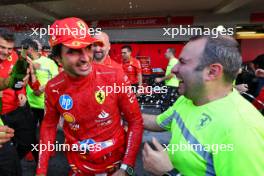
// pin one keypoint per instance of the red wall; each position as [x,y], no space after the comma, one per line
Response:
[154,51]
[251,48]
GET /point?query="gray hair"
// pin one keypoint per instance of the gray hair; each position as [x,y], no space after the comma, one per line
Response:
[224,50]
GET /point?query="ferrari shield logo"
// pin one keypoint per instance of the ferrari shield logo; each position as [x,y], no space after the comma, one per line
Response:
[100,96]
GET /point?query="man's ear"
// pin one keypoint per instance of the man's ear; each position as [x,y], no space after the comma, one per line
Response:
[214,71]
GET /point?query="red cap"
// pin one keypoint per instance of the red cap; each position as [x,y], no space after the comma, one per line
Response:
[71,32]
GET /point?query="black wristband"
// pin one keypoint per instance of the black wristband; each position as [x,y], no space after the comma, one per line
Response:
[172,172]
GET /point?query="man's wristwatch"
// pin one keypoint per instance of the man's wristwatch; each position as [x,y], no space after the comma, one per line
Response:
[129,170]
[172,172]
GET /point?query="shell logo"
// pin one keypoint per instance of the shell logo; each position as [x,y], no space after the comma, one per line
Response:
[68,117]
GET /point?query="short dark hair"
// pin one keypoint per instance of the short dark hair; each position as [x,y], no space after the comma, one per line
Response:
[259,61]
[56,50]
[128,47]
[172,50]
[224,50]
[29,43]
[7,35]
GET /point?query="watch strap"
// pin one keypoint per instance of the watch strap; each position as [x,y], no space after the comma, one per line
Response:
[172,172]
[128,169]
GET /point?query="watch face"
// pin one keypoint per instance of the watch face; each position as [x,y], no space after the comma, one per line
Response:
[130,171]
[166,174]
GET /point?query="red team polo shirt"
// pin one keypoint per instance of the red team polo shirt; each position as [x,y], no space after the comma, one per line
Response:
[132,68]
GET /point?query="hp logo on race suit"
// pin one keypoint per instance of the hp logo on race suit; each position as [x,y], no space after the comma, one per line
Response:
[66,102]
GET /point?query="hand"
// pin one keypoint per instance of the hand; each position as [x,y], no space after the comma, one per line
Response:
[242,87]
[31,79]
[6,134]
[120,172]
[158,80]
[27,77]
[22,99]
[36,66]
[157,162]
[259,73]
[40,91]
[31,70]
[42,88]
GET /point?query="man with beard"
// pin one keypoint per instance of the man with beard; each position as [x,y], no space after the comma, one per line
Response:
[97,143]
[215,131]
[101,51]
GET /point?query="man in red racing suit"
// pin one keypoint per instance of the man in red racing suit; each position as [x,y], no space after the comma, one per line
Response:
[90,105]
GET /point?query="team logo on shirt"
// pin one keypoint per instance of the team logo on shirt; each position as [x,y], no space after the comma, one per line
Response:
[100,96]
[203,121]
[68,117]
[9,58]
[74,126]
[66,102]
[103,115]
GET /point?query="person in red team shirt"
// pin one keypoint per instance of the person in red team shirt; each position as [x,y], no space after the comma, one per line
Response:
[101,51]
[131,66]
[91,114]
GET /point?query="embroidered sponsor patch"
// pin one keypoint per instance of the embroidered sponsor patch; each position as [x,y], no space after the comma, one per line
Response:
[66,102]
[68,117]
[103,115]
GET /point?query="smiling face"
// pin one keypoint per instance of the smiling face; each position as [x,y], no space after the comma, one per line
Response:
[192,82]
[6,48]
[101,50]
[76,62]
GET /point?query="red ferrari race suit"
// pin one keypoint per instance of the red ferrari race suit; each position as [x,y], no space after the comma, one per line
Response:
[91,113]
